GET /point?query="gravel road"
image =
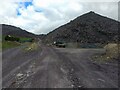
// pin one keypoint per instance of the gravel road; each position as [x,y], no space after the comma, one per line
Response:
[50,67]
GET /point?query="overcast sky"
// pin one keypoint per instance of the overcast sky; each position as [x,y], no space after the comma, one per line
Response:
[43,16]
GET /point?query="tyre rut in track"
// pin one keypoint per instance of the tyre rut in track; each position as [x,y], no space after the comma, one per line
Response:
[70,68]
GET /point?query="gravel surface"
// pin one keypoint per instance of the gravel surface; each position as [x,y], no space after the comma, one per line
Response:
[56,68]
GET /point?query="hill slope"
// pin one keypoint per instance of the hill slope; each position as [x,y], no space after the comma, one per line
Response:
[15,31]
[88,28]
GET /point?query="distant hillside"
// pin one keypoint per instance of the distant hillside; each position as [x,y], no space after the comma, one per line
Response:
[88,28]
[15,31]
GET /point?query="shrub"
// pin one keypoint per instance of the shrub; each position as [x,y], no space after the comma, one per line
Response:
[112,50]
[11,38]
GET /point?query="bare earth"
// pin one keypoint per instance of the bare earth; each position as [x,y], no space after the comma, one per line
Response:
[50,67]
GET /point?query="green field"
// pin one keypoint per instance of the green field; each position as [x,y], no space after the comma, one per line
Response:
[24,39]
[9,44]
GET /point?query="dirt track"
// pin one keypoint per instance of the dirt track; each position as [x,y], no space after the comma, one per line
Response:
[56,68]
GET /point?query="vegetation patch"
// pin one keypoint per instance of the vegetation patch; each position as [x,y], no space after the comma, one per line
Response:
[32,46]
[111,53]
[9,44]
[11,38]
[24,39]
[13,41]
[17,39]
[0,46]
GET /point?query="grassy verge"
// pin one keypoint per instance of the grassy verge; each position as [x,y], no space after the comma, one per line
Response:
[5,44]
[0,46]
[9,44]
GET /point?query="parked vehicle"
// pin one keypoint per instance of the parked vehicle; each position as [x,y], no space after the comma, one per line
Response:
[60,44]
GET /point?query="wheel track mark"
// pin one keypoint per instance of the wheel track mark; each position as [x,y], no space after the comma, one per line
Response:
[68,66]
[8,84]
[36,70]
